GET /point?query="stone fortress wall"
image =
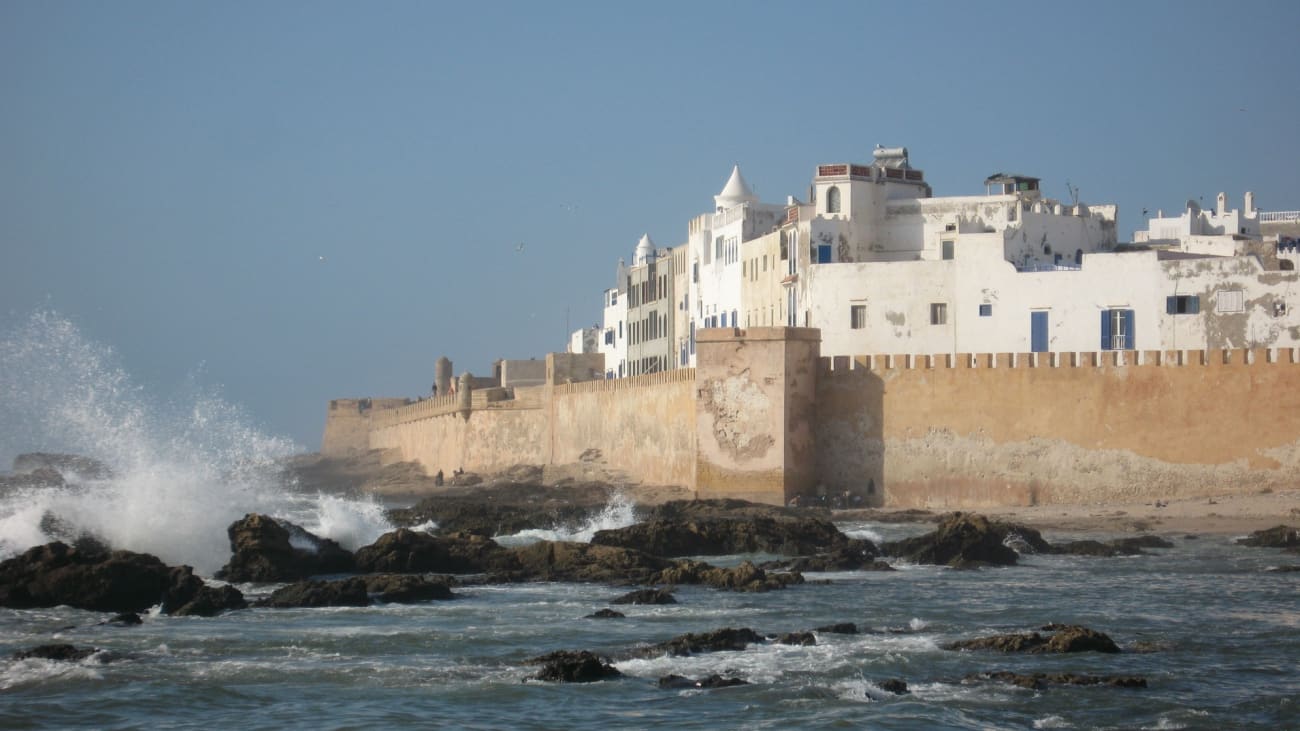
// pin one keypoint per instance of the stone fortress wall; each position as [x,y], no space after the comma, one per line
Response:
[764,417]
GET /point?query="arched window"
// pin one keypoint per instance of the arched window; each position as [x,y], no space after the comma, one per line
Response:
[833,200]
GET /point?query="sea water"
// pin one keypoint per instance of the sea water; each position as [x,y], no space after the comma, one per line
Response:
[1216,635]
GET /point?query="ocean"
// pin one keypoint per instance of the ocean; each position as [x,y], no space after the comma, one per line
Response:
[1213,631]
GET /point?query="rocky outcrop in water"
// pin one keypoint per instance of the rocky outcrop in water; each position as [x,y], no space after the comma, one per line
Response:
[675,682]
[1279,536]
[67,466]
[407,588]
[342,593]
[606,614]
[566,561]
[1130,546]
[411,551]
[745,577]
[58,653]
[1041,681]
[516,503]
[646,596]
[268,550]
[1065,638]
[855,555]
[967,540]
[804,639]
[839,628]
[896,686]
[718,640]
[725,536]
[564,666]
[40,477]
[100,580]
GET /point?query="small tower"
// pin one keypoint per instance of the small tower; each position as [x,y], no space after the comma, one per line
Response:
[442,375]
[645,251]
[735,192]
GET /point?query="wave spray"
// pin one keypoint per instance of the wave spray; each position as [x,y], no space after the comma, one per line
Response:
[181,470]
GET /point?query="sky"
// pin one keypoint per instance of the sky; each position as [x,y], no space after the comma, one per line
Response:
[299,201]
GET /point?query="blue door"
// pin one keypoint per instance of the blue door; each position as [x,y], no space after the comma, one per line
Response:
[1038,331]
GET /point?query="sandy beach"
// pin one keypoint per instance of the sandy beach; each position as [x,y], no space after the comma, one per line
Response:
[1235,514]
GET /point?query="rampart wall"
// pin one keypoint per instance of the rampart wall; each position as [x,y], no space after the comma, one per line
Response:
[1020,429]
[767,419]
[348,423]
[642,426]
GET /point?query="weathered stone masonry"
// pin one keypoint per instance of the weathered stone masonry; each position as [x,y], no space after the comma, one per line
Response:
[764,417]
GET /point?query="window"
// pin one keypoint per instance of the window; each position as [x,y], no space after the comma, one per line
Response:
[1117,329]
[857,316]
[717,248]
[1229,300]
[986,310]
[1183,304]
[938,313]
[785,247]
[695,271]
[833,200]
[609,336]
[948,245]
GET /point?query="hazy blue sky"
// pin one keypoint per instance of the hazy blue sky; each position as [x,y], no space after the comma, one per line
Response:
[172,172]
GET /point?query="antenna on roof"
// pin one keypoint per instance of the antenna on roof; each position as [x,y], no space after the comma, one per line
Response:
[1074,193]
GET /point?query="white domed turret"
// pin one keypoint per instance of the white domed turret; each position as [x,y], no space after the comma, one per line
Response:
[645,251]
[735,192]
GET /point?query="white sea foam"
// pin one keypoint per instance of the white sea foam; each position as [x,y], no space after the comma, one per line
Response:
[866,533]
[33,671]
[619,512]
[1052,722]
[183,469]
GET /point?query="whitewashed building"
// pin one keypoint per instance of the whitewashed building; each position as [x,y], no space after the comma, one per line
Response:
[880,265]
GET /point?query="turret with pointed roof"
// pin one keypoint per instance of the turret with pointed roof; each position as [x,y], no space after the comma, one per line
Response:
[645,251]
[735,192]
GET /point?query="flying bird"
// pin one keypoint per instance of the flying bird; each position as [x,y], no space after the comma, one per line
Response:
[520,247]
[322,259]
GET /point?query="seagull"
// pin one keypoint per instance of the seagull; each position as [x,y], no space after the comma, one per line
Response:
[520,247]
[322,259]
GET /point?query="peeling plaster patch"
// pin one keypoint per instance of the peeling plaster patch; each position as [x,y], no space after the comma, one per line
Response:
[737,405]
[897,319]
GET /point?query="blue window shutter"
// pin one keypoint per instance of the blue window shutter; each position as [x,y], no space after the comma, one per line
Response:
[1194,305]
[1171,305]
[1129,338]
[1105,329]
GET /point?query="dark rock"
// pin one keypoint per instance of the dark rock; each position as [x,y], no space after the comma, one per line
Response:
[966,540]
[894,685]
[1284,569]
[796,638]
[841,628]
[646,596]
[263,550]
[605,614]
[693,643]
[517,504]
[65,465]
[1085,548]
[717,681]
[855,555]
[208,601]
[39,477]
[574,667]
[745,577]
[408,551]
[1131,546]
[1066,638]
[1041,681]
[1074,638]
[584,562]
[1280,536]
[712,681]
[724,536]
[95,579]
[341,593]
[125,619]
[61,653]
[407,588]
